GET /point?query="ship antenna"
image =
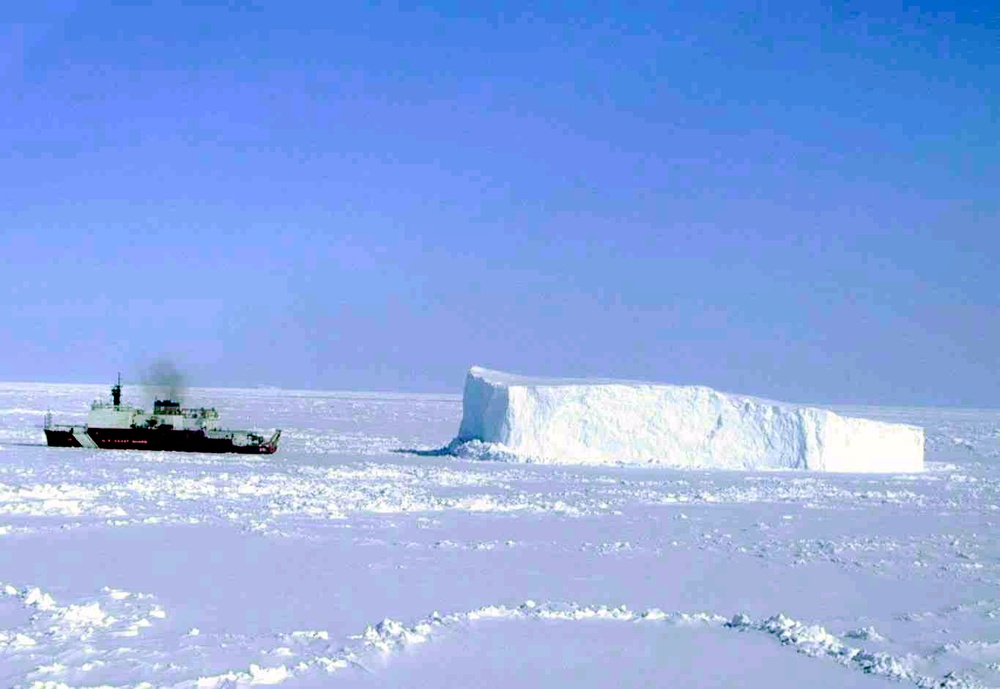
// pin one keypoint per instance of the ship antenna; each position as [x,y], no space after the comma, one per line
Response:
[116,391]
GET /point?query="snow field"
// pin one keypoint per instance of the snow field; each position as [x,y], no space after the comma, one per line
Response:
[323,565]
[311,654]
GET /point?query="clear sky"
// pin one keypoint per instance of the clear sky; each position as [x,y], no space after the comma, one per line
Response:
[787,199]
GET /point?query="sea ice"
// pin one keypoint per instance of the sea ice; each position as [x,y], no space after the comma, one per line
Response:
[180,570]
[517,418]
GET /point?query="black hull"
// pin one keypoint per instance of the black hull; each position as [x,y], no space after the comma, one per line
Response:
[60,438]
[164,440]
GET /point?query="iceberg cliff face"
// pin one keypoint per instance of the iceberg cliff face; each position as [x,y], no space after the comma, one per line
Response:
[583,422]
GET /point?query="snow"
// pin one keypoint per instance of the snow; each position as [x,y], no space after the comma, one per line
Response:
[515,418]
[339,562]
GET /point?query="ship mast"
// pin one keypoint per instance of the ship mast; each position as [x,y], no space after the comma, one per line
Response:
[116,391]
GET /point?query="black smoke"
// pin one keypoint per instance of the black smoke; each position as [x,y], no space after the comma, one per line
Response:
[163,381]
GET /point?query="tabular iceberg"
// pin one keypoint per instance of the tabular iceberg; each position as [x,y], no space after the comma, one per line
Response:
[599,422]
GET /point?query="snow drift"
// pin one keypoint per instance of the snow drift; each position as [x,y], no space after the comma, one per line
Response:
[516,418]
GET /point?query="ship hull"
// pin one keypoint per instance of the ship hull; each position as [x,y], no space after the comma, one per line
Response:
[59,438]
[157,439]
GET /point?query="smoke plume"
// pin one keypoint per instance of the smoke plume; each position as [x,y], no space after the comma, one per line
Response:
[163,381]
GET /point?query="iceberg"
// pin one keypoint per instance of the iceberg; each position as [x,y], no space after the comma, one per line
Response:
[516,418]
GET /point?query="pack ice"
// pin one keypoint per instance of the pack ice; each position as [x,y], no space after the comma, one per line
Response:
[516,418]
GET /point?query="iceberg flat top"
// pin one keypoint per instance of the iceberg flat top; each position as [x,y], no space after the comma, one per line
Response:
[495,377]
[502,378]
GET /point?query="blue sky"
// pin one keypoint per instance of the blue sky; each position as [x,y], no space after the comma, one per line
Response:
[796,201]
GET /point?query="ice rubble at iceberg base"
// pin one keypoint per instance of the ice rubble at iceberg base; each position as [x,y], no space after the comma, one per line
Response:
[516,418]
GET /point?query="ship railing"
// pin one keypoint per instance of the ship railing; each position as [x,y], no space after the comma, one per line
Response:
[64,426]
[98,404]
[201,413]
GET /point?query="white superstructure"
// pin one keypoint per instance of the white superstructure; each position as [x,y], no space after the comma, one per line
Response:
[165,414]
